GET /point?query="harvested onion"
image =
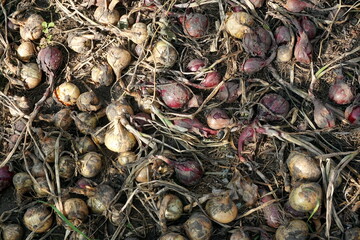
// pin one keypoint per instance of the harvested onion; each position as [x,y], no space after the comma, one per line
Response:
[125,158]
[239,235]
[164,54]
[352,114]
[174,95]
[32,28]
[195,24]
[323,116]
[306,197]
[196,65]
[66,167]
[91,164]
[76,210]
[198,227]
[67,93]
[30,74]
[25,51]
[118,139]
[238,23]
[221,209]
[38,219]
[102,74]
[172,236]
[100,202]
[12,232]
[105,16]
[218,119]
[88,101]
[340,92]
[79,44]
[296,229]
[276,107]
[171,206]
[118,58]
[303,167]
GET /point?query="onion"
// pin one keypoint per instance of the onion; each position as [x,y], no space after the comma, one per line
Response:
[188,172]
[172,236]
[88,101]
[85,145]
[79,44]
[297,5]
[38,219]
[118,139]
[238,23]
[171,206]
[282,35]
[164,54]
[22,183]
[37,169]
[284,52]
[198,227]
[196,65]
[105,16]
[276,107]
[30,74]
[257,3]
[66,167]
[174,95]
[41,187]
[125,21]
[118,58]
[100,202]
[118,109]
[221,209]
[125,158]
[138,33]
[295,229]
[257,43]
[62,119]
[76,210]
[218,119]
[91,164]
[271,212]
[352,233]
[102,74]
[116,216]
[253,65]
[23,104]
[5,177]
[12,232]
[340,92]
[67,93]
[25,51]
[50,59]
[194,125]
[323,116]
[47,146]
[195,24]
[211,80]
[308,27]
[306,197]
[239,235]
[303,48]
[32,28]
[303,167]
[229,92]
[352,114]
[144,175]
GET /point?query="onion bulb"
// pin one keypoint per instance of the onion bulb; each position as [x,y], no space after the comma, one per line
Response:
[211,80]
[76,210]
[174,95]
[118,139]
[118,58]
[282,35]
[125,158]
[296,229]
[66,167]
[195,24]
[276,107]
[26,51]
[50,59]
[164,54]
[340,92]
[323,116]
[138,33]
[171,206]
[67,93]
[41,187]
[303,167]
[30,74]
[198,227]
[308,27]
[62,119]
[47,146]
[105,16]
[102,74]
[218,119]
[172,236]
[306,197]
[229,92]
[100,202]
[221,209]
[85,122]
[38,219]
[239,235]
[12,232]
[91,164]
[352,114]
[144,174]
[257,43]
[85,145]
[88,101]
[32,28]
[22,183]
[238,23]
[79,44]
[297,5]
[303,48]
[196,65]
[118,109]
[116,216]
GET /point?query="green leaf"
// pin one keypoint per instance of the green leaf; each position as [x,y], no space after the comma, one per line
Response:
[44,24]
[315,210]
[65,219]
[45,30]
[51,24]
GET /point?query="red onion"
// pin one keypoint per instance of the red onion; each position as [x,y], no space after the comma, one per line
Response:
[274,103]
[271,212]
[229,92]
[282,35]
[253,65]
[195,101]
[352,113]
[5,177]
[323,117]
[257,3]
[195,24]
[340,92]
[50,59]
[257,43]
[308,27]
[140,120]
[247,133]
[303,49]
[211,80]
[297,5]
[218,119]
[196,65]
[237,9]
[188,172]
[174,95]
[195,126]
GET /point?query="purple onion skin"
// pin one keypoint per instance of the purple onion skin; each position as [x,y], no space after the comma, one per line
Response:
[271,212]
[229,92]
[303,49]
[282,35]
[211,80]
[195,24]
[297,5]
[341,93]
[352,114]
[50,59]
[276,104]
[308,27]
[174,95]
[5,177]
[253,65]
[248,133]
[195,126]
[196,65]
[323,117]
[257,3]
[257,43]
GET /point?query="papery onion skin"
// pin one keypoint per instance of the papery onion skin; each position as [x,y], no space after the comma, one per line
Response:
[272,211]
[276,104]
[323,117]
[238,23]
[352,114]
[30,74]
[296,229]
[229,92]
[211,80]
[25,51]
[282,35]
[67,93]
[297,5]
[218,119]
[38,219]
[195,24]
[306,197]
[50,59]
[12,232]
[303,49]
[341,93]
[32,29]
[105,16]
[174,95]
[198,227]
[308,27]
[221,209]
[196,65]
[303,167]
[164,54]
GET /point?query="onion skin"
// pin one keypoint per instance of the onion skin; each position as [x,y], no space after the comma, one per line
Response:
[25,51]
[173,207]
[211,80]
[195,24]
[174,95]
[303,49]
[296,229]
[164,54]
[100,202]
[38,219]
[221,209]
[32,29]
[229,92]
[50,59]
[323,117]
[352,114]
[118,139]
[196,65]
[257,43]
[271,212]
[308,27]
[282,35]
[5,177]
[91,164]
[118,58]
[76,210]
[306,197]
[30,74]
[341,93]
[198,227]
[276,104]
[303,167]
[102,74]
[105,16]
[218,119]
[12,232]
[257,3]
[297,5]
[238,23]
